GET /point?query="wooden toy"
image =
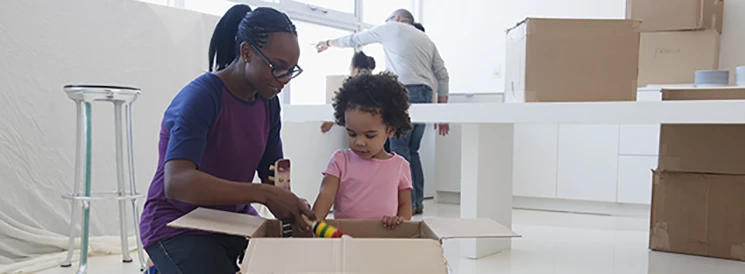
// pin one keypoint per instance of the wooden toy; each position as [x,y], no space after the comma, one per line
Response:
[281,179]
[322,229]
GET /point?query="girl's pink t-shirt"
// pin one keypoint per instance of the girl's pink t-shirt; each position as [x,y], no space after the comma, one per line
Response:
[368,188]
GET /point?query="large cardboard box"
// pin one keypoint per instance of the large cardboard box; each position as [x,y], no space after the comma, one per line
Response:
[674,57]
[565,60]
[698,214]
[667,15]
[412,247]
[702,148]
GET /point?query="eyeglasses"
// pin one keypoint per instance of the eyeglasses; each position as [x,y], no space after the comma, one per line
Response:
[278,72]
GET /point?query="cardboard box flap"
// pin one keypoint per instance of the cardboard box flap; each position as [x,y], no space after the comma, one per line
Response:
[467,228]
[213,220]
[359,256]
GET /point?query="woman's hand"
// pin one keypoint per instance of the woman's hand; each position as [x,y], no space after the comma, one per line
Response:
[391,222]
[284,205]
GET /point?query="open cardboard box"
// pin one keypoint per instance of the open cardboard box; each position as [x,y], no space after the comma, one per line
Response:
[412,247]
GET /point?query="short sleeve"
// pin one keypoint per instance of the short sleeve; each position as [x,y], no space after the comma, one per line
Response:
[404,181]
[336,164]
[188,120]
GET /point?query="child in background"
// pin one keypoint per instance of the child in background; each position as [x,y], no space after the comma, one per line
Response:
[361,63]
[365,181]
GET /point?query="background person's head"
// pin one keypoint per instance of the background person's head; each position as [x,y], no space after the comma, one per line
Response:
[419,26]
[373,108]
[260,45]
[401,16]
[361,63]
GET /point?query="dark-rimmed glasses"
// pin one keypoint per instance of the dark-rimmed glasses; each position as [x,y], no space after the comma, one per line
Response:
[279,73]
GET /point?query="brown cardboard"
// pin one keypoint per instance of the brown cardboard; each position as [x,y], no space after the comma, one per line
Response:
[389,252]
[703,148]
[566,60]
[674,57]
[333,83]
[669,15]
[698,214]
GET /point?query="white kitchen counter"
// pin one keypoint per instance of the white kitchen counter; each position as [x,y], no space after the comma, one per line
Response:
[488,140]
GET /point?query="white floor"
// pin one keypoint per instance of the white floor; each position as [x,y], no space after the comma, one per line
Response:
[555,243]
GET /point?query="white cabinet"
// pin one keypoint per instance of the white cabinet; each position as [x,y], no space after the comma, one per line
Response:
[635,179]
[535,160]
[639,140]
[588,162]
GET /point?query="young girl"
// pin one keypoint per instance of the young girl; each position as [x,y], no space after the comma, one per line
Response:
[365,181]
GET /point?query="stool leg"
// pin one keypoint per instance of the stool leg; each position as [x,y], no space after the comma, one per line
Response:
[86,203]
[120,180]
[76,184]
[133,186]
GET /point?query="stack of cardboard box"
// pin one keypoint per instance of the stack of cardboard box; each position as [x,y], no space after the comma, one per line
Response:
[678,38]
[698,192]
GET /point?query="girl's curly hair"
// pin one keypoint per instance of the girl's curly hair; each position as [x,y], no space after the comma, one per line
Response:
[380,93]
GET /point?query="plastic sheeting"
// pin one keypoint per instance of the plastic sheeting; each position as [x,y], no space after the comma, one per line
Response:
[48,44]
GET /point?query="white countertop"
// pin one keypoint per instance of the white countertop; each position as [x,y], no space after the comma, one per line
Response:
[668,112]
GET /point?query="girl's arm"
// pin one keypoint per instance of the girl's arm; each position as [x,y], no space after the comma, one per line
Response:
[327,196]
[404,204]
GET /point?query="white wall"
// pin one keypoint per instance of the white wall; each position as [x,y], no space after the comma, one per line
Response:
[47,44]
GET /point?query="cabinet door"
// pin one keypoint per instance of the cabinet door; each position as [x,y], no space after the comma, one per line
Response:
[640,140]
[535,156]
[635,179]
[588,162]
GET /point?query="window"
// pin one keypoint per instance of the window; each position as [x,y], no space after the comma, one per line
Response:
[158,2]
[376,11]
[214,7]
[310,87]
[345,6]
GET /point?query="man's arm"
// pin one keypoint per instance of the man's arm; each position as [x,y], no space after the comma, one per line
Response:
[355,40]
[443,79]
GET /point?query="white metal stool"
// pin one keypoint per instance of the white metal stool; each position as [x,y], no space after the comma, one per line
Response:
[84,96]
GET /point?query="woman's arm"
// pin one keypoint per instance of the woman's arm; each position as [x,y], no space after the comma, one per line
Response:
[404,204]
[326,197]
[183,182]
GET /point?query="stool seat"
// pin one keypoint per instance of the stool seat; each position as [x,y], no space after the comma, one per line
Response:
[90,93]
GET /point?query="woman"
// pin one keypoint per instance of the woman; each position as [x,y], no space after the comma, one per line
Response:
[361,63]
[218,130]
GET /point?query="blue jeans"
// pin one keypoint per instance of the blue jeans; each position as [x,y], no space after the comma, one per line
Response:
[408,145]
[198,254]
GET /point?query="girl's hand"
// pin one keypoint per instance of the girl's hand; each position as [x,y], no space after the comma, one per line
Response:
[326,126]
[390,222]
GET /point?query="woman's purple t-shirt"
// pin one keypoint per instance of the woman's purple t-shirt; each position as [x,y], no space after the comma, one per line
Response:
[224,136]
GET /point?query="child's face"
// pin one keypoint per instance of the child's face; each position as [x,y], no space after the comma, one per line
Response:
[366,133]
